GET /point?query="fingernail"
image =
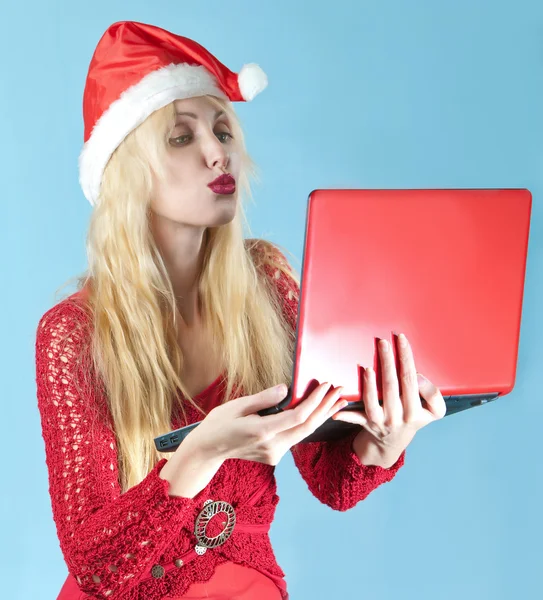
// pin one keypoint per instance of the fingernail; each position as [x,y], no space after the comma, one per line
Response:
[403,340]
[384,345]
[421,379]
[281,390]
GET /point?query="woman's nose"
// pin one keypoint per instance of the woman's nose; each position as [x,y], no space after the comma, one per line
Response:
[216,154]
[222,163]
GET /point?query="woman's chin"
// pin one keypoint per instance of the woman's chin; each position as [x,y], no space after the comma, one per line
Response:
[226,212]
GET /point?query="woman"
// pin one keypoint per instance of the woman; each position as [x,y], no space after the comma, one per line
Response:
[180,319]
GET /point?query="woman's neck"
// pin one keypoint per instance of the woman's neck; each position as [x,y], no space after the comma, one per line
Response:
[182,248]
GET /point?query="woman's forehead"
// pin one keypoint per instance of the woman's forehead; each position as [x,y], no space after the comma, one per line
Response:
[200,105]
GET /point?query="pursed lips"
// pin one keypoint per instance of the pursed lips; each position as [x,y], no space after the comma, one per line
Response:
[224,184]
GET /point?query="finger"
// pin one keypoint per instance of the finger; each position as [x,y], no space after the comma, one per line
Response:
[433,398]
[408,380]
[264,399]
[392,406]
[289,418]
[372,408]
[323,409]
[330,404]
[357,417]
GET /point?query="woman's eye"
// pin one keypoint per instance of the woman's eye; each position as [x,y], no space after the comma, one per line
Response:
[224,136]
[180,140]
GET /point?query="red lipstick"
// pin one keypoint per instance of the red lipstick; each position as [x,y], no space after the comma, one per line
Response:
[223,185]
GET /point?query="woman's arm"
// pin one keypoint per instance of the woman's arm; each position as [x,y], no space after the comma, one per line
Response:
[109,539]
[332,470]
[189,471]
[335,475]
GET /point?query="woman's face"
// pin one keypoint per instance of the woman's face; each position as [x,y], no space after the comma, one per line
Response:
[200,149]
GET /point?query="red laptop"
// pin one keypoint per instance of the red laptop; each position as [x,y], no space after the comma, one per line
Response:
[445,267]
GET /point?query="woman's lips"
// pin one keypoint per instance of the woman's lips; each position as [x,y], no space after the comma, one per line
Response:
[223,185]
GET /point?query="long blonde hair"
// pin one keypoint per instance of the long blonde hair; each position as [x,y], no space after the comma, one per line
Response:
[133,341]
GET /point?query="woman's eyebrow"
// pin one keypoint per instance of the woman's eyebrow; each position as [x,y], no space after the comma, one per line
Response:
[220,113]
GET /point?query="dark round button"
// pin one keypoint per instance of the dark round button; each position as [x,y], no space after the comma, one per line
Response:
[157,571]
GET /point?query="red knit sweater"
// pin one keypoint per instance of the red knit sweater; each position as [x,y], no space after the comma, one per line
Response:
[111,540]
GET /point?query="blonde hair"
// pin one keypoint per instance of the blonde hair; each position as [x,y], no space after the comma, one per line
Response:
[131,301]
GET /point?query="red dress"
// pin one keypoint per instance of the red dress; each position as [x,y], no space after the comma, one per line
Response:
[140,544]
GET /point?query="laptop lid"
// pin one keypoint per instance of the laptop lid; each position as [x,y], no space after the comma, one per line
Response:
[445,267]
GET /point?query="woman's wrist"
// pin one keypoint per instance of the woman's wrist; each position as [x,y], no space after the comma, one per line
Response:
[189,470]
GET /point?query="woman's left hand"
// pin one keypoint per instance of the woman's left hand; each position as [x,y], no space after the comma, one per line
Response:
[392,426]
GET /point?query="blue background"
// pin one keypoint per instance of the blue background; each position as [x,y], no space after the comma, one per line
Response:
[362,94]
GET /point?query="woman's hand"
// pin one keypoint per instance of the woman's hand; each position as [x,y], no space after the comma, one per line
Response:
[235,430]
[392,426]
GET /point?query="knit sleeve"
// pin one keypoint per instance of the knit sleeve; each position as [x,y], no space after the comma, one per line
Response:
[331,470]
[335,475]
[109,539]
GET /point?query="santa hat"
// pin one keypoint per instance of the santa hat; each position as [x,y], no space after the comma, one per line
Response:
[137,69]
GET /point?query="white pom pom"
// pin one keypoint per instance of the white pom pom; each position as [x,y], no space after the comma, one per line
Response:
[251,80]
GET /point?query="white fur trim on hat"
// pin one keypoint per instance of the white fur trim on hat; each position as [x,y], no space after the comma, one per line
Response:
[251,80]
[155,90]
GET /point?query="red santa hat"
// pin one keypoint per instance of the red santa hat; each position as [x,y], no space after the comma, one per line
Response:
[137,69]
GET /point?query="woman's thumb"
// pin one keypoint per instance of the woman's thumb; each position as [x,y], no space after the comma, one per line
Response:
[264,399]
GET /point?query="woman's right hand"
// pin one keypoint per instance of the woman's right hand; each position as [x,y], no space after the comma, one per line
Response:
[235,430]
